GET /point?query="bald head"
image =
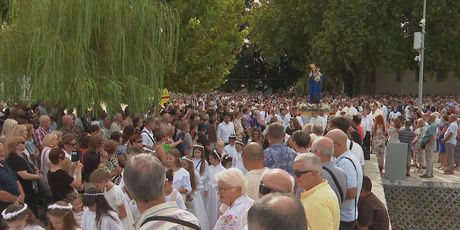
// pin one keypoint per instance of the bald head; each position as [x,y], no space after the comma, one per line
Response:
[278,180]
[339,138]
[253,152]
[323,147]
[275,210]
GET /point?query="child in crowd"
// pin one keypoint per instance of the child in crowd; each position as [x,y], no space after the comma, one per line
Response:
[77,206]
[211,195]
[61,217]
[20,217]
[181,182]
[115,197]
[201,165]
[195,202]
[238,161]
[172,194]
[99,215]
[227,161]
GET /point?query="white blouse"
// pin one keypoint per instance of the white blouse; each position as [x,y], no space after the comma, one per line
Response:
[235,217]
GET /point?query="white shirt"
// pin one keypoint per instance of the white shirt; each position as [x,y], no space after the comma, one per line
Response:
[317,121]
[254,177]
[350,110]
[147,138]
[231,150]
[348,209]
[182,180]
[453,127]
[394,115]
[269,118]
[357,151]
[366,123]
[224,130]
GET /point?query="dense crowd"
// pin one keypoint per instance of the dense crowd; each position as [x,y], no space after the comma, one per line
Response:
[215,161]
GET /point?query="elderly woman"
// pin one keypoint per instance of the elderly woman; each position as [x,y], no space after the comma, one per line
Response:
[231,185]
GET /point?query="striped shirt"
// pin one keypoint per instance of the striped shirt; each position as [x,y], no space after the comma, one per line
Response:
[406,136]
[169,209]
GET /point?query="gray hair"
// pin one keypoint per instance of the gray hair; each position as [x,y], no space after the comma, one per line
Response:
[317,129]
[309,159]
[234,178]
[144,177]
[322,149]
[275,210]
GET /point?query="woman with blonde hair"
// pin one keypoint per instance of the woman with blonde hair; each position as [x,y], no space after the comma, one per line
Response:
[27,174]
[7,129]
[419,153]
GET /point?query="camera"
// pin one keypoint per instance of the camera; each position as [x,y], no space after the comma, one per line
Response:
[75,156]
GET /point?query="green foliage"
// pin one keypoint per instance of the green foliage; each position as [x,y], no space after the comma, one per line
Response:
[349,39]
[82,53]
[210,39]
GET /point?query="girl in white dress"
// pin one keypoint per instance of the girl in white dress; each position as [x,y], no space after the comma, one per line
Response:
[201,166]
[195,202]
[20,217]
[99,215]
[212,198]
[181,181]
[171,194]
[114,196]
[61,217]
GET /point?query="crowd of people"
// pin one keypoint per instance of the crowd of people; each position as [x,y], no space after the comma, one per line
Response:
[218,161]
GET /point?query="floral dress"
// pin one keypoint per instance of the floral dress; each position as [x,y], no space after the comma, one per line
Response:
[235,217]
[378,145]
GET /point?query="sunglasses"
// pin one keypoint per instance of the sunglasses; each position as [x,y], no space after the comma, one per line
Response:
[300,173]
[264,190]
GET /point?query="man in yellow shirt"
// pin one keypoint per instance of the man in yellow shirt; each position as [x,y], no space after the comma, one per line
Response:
[319,200]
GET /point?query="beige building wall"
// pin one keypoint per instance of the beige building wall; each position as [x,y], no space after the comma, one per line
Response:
[386,82]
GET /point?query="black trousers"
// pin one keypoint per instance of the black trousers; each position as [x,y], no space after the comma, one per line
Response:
[347,225]
[367,146]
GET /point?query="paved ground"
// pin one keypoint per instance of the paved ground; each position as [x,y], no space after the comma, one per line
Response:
[371,170]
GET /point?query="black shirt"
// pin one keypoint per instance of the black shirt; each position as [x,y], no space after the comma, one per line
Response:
[91,162]
[18,164]
[59,182]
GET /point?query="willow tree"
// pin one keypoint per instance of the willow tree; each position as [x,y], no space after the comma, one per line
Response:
[83,53]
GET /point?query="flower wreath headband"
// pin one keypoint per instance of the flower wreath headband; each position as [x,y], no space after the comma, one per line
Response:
[187,159]
[63,207]
[9,216]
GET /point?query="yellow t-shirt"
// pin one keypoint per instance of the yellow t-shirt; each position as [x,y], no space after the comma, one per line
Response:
[322,207]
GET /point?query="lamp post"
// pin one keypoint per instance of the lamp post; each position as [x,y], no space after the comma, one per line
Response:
[422,58]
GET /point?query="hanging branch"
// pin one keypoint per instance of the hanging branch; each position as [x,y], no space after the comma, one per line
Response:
[83,53]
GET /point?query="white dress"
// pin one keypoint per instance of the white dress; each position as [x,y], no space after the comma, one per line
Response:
[182,180]
[176,197]
[116,197]
[110,221]
[213,201]
[204,178]
[196,206]
[238,163]
[33,227]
